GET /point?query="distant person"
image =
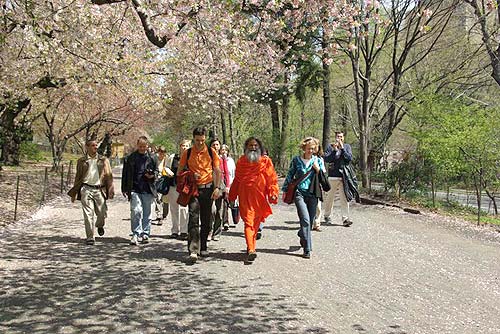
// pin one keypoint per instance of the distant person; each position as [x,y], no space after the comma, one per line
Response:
[228,168]
[93,186]
[303,166]
[255,186]
[202,163]
[337,154]
[161,202]
[138,186]
[178,213]
[317,220]
[219,217]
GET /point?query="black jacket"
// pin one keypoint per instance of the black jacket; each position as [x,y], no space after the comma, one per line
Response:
[319,181]
[129,171]
[350,182]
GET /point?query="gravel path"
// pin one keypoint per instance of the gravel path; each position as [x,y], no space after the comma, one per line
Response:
[391,272]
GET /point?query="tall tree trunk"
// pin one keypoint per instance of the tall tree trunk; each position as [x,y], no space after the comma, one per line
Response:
[493,200]
[282,162]
[343,118]
[327,105]
[232,135]
[12,133]
[478,188]
[223,127]
[275,119]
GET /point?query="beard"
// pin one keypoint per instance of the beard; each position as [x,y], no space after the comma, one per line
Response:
[253,156]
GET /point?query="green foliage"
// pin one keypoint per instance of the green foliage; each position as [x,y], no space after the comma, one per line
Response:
[458,139]
[30,151]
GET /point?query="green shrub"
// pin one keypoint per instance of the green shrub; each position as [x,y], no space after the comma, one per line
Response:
[30,151]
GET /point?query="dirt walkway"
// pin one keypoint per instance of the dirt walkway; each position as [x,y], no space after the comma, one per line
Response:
[391,272]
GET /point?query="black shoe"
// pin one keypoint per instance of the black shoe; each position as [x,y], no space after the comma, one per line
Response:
[306,255]
[100,231]
[251,256]
[174,236]
[145,239]
[259,235]
[226,227]
[347,223]
[90,242]
[183,236]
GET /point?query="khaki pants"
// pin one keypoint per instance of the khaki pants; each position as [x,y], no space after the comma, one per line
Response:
[337,188]
[94,209]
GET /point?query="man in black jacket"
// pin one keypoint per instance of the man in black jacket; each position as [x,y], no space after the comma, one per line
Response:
[138,185]
[337,155]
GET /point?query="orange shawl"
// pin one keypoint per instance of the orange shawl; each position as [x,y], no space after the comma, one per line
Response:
[253,184]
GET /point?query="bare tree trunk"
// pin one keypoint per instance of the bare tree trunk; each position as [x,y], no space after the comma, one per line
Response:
[275,119]
[232,135]
[223,127]
[281,163]
[327,105]
[493,200]
[12,132]
[478,188]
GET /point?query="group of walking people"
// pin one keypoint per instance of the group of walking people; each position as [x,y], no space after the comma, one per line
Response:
[204,184]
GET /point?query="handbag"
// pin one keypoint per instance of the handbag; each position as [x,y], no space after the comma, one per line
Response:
[163,185]
[289,195]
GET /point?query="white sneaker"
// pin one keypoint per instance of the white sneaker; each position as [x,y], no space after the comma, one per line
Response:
[328,220]
[193,257]
[145,239]
[134,241]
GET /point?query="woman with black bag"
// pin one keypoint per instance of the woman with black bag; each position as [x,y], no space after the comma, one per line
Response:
[303,168]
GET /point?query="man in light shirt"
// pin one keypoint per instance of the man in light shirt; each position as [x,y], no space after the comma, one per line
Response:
[93,186]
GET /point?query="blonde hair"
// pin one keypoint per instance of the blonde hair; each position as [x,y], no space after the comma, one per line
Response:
[225,147]
[307,140]
[185,141]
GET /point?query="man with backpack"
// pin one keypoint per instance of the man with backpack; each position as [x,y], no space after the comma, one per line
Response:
[202,162]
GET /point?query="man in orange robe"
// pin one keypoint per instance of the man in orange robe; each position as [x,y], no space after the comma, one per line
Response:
[256,185]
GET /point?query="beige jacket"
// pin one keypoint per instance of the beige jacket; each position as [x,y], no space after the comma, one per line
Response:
[105,177]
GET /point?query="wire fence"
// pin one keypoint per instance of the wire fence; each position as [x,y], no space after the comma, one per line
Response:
[24,191]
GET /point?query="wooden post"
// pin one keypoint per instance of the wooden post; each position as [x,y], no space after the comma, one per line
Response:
[68,178]
[44,188]
[17,197]
[62,178]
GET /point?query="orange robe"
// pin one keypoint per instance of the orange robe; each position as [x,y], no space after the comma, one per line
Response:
[254,184]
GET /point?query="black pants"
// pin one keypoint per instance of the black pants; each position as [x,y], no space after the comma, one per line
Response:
[219,216]
[200,210]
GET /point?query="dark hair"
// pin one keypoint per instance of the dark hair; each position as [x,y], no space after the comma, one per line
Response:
[338,132]
[144,139]
[261,146]
[213,140]
[199,131]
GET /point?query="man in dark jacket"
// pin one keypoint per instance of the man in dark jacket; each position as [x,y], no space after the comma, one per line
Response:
[138,185]
[337,154]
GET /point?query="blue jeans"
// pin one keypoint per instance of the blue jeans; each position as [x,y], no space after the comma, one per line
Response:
[306,209]
[140,213]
